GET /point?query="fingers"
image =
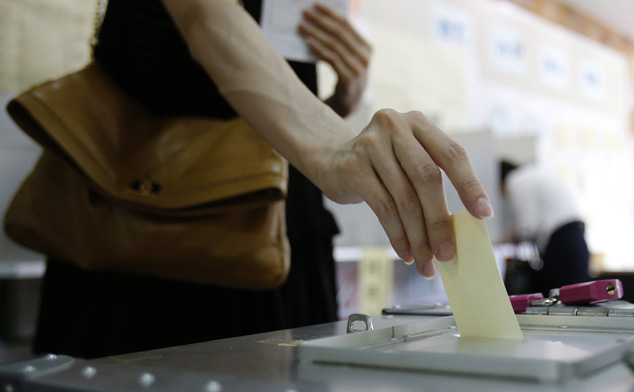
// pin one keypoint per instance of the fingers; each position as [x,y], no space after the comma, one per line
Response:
[424,185]
[405,153]
[453,159]
[400,217]
[354,39]
[386,210]
[408,207]
[334,40]
[357,174]
[426,180]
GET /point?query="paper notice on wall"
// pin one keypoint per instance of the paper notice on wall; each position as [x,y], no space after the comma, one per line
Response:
[507,50]
[476,293]
[279,22]
[591,79]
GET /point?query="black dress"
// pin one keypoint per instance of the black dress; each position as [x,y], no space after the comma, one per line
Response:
[93,314]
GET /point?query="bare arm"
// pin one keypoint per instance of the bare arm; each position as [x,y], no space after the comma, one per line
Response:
[257,82]
[334,40]
[393,164]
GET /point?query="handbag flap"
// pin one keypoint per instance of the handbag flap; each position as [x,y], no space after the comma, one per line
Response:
[167,164]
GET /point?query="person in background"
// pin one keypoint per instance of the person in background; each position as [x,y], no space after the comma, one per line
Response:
[545,212]
[210,58]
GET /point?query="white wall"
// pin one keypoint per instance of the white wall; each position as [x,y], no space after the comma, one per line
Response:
[17,156]
[39,40]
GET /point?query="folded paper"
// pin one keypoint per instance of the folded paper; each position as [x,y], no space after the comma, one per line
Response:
[475,289]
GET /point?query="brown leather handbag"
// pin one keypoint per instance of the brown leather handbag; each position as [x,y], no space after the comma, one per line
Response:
[117,189]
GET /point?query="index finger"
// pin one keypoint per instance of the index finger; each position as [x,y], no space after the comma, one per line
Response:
[453,159]
[338,25]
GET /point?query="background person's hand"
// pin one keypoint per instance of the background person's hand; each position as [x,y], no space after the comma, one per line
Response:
[394,165]
[333,39]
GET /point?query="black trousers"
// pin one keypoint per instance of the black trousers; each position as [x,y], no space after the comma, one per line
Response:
[565,259]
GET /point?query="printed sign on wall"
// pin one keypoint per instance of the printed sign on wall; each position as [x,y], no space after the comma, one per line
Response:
[591,80]
[507,50]
[452,25]
[554,67]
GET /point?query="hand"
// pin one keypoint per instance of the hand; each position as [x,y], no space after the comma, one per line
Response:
[332,39]
[394,165]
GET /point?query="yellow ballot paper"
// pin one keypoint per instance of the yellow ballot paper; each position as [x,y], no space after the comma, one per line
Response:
[474,286]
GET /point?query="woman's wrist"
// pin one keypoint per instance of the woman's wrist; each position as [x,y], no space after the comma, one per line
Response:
[323,161]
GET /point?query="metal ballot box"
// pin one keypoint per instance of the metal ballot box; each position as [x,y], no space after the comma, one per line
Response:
[303,360]
[554,349]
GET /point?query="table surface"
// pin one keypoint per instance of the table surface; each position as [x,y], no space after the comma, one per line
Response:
[265,362]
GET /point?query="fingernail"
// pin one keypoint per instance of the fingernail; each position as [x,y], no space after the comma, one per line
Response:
[484,209]
[429,270]
[407,257]
[446,251]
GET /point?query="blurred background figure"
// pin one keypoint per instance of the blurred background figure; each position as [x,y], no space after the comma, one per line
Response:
[545,212]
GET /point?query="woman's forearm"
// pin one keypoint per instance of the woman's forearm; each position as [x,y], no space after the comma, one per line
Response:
[393,164]
[258,83]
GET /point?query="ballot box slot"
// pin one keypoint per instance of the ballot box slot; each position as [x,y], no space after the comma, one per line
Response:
[554,349]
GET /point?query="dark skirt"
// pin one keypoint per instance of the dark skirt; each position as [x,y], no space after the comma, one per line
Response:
[93,314]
